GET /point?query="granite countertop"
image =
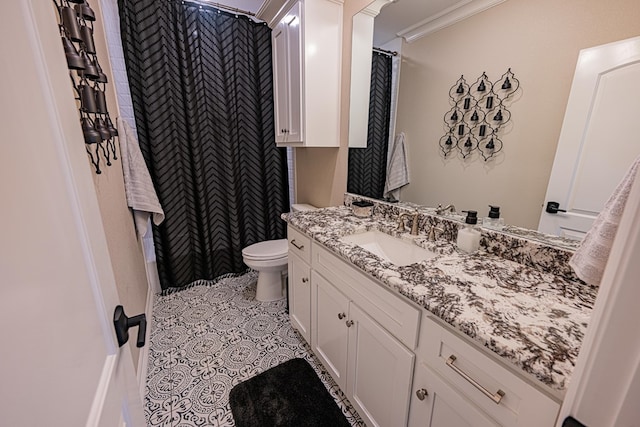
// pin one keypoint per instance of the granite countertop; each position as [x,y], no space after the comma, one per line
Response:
[534,319]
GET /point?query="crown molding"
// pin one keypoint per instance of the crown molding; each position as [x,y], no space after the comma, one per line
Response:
[374,8]
[452,15]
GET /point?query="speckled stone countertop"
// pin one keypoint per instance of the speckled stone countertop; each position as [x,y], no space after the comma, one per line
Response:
[530,317]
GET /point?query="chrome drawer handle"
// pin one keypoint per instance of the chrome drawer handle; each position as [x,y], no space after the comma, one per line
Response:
[495,397]
[298,247]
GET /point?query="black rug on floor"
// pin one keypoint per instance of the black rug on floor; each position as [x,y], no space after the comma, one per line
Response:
[290,394]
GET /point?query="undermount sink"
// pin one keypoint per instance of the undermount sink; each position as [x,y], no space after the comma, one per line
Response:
[389,248]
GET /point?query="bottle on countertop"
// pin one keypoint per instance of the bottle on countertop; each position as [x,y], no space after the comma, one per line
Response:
[469,237]
[493,220]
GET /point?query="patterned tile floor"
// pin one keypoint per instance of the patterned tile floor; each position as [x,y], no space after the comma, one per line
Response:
[207,339]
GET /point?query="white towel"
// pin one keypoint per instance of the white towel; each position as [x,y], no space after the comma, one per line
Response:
[591,257]
[141,196]
[397,169]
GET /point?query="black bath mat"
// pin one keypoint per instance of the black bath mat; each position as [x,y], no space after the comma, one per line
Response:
[290,394]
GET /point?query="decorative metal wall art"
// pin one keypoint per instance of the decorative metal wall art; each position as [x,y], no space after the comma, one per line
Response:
[88,80]
[478,113]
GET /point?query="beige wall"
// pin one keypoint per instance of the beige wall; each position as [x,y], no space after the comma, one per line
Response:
[540,41]
[321,173]
[124,250]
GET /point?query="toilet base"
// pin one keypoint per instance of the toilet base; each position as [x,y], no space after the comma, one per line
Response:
[270,286]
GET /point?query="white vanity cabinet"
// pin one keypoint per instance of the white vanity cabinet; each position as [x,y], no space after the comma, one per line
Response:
[307,61]
[435,403]
[453,373]
[299,283]
[397,363]
[370,364]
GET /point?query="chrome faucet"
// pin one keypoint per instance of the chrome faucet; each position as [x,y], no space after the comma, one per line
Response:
[440,210]
[414,222]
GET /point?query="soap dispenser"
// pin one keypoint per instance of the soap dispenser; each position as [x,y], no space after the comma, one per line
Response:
[493,220]
[469,237]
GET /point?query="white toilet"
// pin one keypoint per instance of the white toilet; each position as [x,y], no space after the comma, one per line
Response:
[269,259]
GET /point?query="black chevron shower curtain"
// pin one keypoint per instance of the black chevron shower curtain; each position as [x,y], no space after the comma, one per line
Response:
[201,84]
[367,170]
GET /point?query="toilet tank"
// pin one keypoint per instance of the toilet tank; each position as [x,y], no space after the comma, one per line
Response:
[302,207]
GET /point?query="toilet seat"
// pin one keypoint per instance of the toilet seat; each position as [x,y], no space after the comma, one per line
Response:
[267,250]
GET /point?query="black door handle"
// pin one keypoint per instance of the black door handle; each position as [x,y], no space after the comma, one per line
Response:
[554,207]
[122,324]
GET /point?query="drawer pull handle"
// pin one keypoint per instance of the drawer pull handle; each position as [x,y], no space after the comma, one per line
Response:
[298,247]
[341,316]
[349,323]
[495,397]
[422,393]
[305,279]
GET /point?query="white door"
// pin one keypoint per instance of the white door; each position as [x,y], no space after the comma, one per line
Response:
[60,363]
[600,136]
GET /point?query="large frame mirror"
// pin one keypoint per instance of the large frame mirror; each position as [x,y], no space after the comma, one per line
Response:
[539,41]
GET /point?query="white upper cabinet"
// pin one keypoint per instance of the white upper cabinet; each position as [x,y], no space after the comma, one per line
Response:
[307,54]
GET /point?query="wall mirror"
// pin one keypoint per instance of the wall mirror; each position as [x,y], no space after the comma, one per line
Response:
[435,47]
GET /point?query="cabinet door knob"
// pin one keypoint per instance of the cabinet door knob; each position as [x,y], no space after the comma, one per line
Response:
[349,323]
[305,280]
[422,393]
[341,316]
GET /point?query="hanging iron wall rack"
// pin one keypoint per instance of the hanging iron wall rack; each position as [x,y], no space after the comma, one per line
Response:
[478,113]
[75,21]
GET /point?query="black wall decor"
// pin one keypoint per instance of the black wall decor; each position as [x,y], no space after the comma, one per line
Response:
[478,113]
[89,81]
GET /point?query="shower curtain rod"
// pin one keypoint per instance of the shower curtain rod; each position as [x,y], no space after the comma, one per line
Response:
[222,6]
[386,52]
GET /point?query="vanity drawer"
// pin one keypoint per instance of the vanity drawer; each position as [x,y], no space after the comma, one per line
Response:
[509,398]
[299,244]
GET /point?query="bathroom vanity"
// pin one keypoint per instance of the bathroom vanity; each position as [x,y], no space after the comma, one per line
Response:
[489,338]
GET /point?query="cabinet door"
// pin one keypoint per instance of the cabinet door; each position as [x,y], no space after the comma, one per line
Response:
[287,77]
[435,403]
[294,23]
[280,80]
[329,331]
[300,296]
[379,372]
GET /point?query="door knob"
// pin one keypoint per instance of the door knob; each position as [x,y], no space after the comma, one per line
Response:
[122,324]
[554,207]
[422,393]
[349,323]
[341,316]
